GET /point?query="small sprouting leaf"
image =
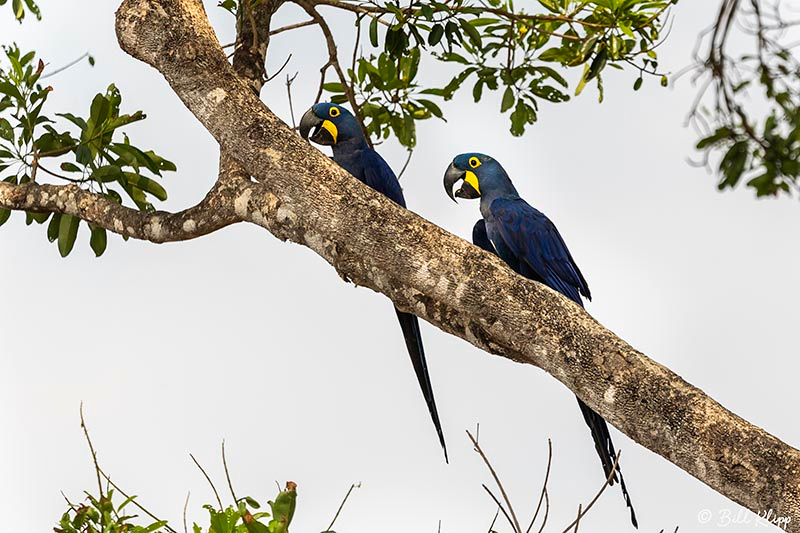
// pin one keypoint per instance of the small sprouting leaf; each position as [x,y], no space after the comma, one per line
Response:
[664,81]
[637,84]
[67,232]
[91,60]
[252,502]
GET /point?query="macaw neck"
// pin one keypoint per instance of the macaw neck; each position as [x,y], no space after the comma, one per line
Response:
[347,147]
[490,194]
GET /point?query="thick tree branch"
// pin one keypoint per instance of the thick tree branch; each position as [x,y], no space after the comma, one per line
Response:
[302,196]
[215,211]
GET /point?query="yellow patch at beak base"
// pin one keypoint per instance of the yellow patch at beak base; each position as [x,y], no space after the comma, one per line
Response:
[331,127]
[472,179]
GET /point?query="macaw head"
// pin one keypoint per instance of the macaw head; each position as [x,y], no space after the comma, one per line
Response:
[332,125]
[481,175]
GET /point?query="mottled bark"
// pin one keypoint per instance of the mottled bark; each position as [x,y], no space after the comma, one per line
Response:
[300,195]
[215,211]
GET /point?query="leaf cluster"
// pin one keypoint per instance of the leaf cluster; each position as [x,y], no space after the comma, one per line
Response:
[19,7]
[495,47]
[761,151]
[100,515]
[245,517]
[90,151]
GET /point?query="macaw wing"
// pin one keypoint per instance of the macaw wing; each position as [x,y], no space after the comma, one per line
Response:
[535,241]
[378,175]
[480,238]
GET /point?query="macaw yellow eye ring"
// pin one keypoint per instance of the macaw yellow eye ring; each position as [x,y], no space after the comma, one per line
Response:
[474,162]
[334,112]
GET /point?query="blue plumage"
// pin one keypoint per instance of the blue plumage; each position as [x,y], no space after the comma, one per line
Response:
[526,240]
[335,126]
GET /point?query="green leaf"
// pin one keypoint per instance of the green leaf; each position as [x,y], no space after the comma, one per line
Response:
[98,240]
[582,83]
[373,32]
[67,232]
[637,84]
[717,136]
[432,107]
[66,166]
[472,33]
[5,214]
[334,87]
[99,110]
[508,100]
[146,185]
[436,34]
[554,54]
[597,65]
[33,8]
[39,218]
[283,510]
[52,228]
[6,130]
[19,10]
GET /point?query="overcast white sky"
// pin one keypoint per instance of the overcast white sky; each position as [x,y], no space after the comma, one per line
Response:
[239,336]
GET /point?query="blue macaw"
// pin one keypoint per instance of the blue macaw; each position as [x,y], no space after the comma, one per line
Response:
[530,244]
[335,126]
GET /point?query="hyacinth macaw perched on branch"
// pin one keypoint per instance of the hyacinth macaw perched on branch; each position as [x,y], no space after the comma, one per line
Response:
[530,244]
[336,127]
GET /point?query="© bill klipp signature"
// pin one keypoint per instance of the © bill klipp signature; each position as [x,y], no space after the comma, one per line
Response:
[727,517]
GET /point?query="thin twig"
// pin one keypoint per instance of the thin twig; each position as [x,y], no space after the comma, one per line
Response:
[65,67]
[599,493]
[353,486]
[185,506]
[544,485]
[496,480]
[216,494]
[405,165]
[134,502]
[546,511]
[494,520]
[270,78]
[500,506]
[91,449]
[333,61]
[292,27]
[577,519]
[322,72]
[227,474]
[289,82]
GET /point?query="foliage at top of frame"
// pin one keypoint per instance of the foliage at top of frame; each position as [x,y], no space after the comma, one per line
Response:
[19,8]
[499,48]
[761,150]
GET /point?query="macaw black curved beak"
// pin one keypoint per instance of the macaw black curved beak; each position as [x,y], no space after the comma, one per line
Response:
[320,135]
[451,177]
